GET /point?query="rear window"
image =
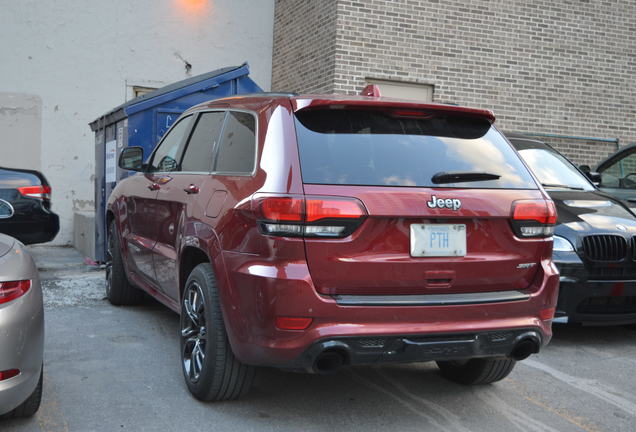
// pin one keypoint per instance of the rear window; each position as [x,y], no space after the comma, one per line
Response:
[383,148]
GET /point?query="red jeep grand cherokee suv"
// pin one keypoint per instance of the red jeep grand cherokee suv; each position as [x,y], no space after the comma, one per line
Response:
[312,232]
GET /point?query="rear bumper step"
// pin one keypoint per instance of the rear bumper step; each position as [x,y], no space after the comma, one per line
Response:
[359,350]
[431,299]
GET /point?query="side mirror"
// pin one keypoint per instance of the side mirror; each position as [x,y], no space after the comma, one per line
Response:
[132,159]
[594,177]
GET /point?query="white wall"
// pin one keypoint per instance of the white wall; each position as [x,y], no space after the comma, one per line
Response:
[77,57]
[20,130]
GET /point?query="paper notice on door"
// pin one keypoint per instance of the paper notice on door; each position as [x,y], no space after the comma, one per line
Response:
[111,161]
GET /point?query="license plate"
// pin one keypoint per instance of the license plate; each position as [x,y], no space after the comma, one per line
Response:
[438,240]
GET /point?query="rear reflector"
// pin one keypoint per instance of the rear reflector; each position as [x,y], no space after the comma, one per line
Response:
[293,323]
[5,375]
[533,218]
[41,192]
[546,314]
[12,290]
[310,216]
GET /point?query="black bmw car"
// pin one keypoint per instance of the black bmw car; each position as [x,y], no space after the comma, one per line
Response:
[594,241]
[25,206]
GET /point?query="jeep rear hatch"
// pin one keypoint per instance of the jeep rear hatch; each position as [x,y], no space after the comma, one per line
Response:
[437,188]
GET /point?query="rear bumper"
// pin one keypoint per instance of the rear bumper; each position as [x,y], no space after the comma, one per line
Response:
[37,227]
[255,293]
[367,350]
[22,342]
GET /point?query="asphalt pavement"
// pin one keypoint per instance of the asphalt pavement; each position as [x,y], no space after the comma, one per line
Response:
[117,368]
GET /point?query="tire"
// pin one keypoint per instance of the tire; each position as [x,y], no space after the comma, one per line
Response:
[29,407]
[119,290]
[211,371]
[477,371]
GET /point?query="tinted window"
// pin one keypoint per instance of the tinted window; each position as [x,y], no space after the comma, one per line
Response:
[166,156]
[621,174]
[198,155]
[238,145]
[386,149]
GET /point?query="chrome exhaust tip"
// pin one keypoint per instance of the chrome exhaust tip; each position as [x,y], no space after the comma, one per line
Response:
[329,362]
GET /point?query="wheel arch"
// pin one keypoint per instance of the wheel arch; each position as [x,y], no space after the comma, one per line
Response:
[209,251]
[191,256]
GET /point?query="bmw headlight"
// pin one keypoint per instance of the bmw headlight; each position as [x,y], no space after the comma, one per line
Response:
[562,245]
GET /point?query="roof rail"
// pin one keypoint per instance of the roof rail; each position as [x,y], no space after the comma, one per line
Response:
[260,94]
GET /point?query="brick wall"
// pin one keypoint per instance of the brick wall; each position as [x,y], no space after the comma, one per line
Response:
[304,46]
[544,66]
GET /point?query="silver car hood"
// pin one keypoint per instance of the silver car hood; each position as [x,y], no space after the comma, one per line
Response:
[6,244]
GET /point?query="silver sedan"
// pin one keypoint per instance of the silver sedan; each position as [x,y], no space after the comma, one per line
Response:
[21,331]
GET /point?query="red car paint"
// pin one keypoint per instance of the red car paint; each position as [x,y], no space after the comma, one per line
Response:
[164,229]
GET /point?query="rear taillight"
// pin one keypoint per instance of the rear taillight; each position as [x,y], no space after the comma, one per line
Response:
[12,290]
[41,192]
[310,216]
[5,375]
[533,218]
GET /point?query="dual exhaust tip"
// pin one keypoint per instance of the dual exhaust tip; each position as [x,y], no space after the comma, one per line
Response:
[528,344]
[331,360]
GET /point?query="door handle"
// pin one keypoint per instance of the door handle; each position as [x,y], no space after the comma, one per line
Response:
[192,189]
[154,187]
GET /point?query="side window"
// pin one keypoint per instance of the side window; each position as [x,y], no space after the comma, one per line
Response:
[621,174]
[166,157]
[238,144]
[198,154]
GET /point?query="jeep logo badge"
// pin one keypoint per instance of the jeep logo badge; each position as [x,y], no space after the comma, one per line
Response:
[453,204]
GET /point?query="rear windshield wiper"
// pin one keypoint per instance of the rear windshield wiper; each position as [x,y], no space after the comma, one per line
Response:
[458,177]
[552,185]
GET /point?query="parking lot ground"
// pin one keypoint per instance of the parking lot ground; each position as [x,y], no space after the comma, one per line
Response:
[109,369]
